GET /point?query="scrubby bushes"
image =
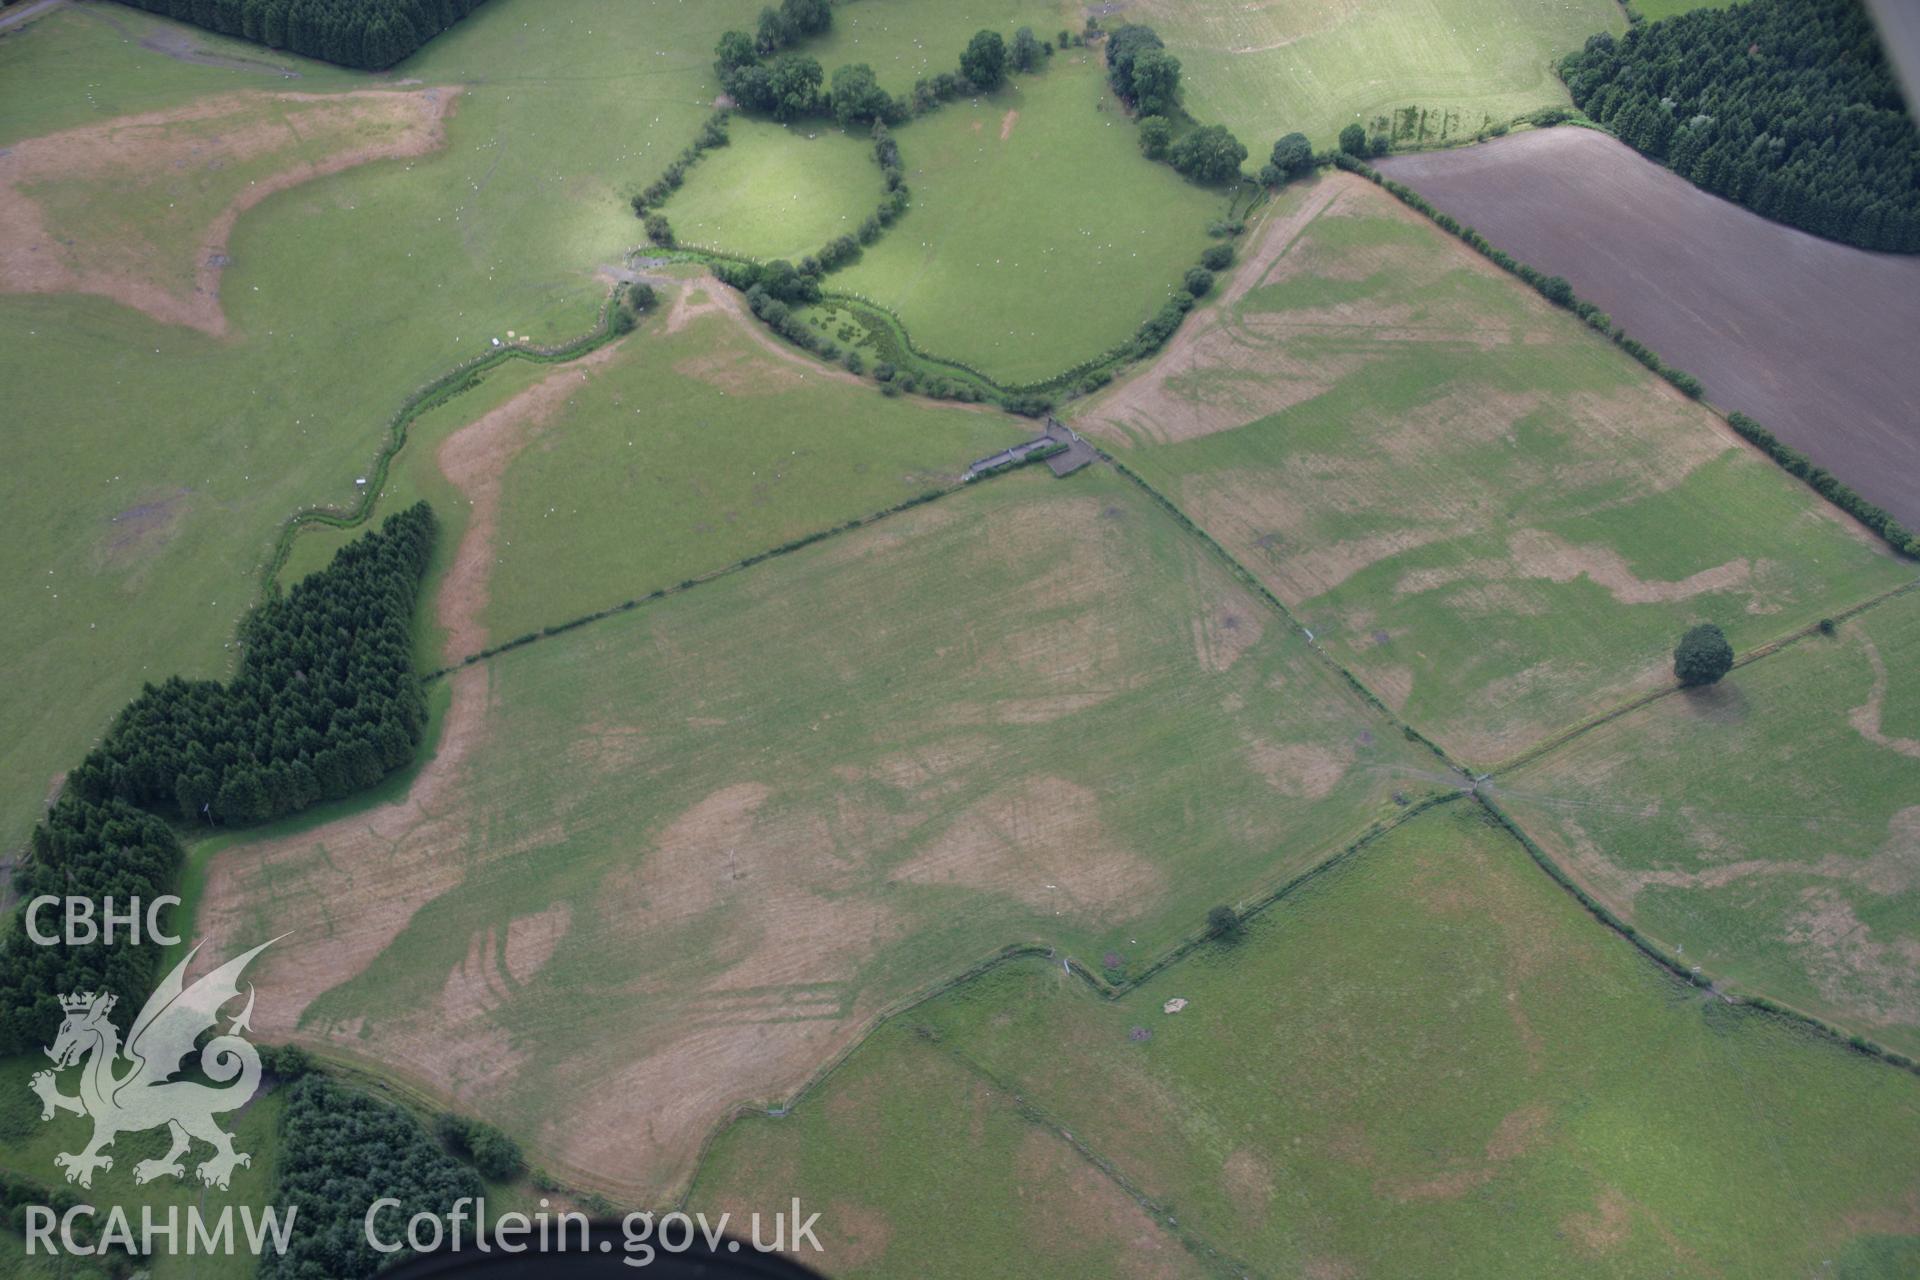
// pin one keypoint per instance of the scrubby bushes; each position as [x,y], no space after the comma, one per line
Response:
[491,1152]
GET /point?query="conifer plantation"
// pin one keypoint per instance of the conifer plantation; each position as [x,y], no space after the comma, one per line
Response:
[1785,106]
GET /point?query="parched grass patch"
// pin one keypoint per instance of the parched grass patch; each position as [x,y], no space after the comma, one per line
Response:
[776,191]
[698,448]
[150,465]
[697,444]
[1766,828]
[139,209]
[737,823]
[1493,517]
[1306,65]
[1039,236]
[1430,1052]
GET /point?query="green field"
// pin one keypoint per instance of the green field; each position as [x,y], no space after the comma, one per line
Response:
[1766,829]
[776,191]
[1428,1058]
[156,463]
[1493,517]
[1025,255]
[28,1145]
[1654,10]
[739,822]
[688,451]
[1315,66]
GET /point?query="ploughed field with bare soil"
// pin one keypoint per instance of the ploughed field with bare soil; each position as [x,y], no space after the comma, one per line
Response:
[1811,338]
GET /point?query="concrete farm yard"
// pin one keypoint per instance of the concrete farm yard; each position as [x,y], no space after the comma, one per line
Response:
[1279,847]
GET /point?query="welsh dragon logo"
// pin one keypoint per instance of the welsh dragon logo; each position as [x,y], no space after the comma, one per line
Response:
[145,1094]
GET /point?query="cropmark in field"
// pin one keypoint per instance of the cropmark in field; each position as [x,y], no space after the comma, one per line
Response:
[1766,828]
[680,859]
[1314,66]
[154,462]
[1496,519]
[1428,1052]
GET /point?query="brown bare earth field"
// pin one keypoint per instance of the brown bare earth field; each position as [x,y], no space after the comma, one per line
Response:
[1811,338]
[139,209]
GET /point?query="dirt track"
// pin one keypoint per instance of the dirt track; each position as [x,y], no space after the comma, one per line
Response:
[1811,338]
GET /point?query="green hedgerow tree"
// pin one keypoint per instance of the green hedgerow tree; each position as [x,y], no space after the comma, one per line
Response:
[1199,282]
[806,17]
[1292,156]
[1027,52]
[1156,82]
[985,60]
[1702,656]
[1208,154]
[1353,141]
[1224,922]
[734,51]
[1156,132]
[795,80]
[858,97]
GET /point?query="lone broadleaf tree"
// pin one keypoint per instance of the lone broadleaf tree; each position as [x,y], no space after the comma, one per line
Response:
[1702,656]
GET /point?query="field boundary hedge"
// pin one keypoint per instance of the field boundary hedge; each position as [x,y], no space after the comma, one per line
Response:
[1558,291]
[1248,579]
[1583,727]
[462,377]
[1691,975]
[1179,950]
[745,562]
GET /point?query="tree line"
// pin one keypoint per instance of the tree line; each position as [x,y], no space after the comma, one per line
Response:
[371,35]
[1559,291]
[1787,107]
[340,1150]
[1147,78]
[325,703]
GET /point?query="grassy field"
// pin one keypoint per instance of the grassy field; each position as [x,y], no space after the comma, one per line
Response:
[1654,10]
[28,1145]
[777,192]
[1497,520]
[1791,873]
[737,823]
[1039,236]
[693,447]
[1429,1053]
[1310,65]
[153,462]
